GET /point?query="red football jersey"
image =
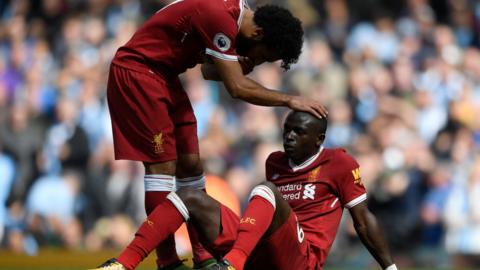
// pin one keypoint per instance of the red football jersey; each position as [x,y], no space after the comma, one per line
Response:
[181,33]
[317,191]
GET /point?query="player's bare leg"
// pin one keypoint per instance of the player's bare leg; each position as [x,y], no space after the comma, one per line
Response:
[189,174]
[204,213]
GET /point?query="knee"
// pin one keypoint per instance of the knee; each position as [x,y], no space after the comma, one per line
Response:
[191,197]
[268,191]
[270,185]
[271,188]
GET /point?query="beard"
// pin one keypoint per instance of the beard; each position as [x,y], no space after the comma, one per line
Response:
[244,45]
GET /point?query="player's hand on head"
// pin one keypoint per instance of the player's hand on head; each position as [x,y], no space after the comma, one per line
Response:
[312,106]
[246,63]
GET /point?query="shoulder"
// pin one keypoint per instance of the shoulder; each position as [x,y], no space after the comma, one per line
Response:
[342,158]
[341,154]
[276,163]
[276,157]
[212,7]
[202,4]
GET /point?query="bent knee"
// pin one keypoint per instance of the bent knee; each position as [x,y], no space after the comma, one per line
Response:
[266,190]
[270,185]
[193,198]
[280,203]
[198,203]
[188,195]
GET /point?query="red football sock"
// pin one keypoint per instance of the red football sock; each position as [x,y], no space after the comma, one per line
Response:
[253,225]
[160,224]
[166,251]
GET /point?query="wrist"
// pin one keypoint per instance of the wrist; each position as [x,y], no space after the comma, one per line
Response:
[288,101]
[392,267]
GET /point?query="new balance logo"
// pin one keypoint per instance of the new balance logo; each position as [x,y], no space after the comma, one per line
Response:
[309,192]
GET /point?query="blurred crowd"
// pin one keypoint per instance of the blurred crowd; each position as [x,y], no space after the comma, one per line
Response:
[401,80]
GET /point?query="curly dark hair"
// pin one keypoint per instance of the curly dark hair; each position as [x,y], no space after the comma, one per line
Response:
[282,32]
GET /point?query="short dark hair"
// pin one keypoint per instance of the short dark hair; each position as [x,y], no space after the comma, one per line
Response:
[321,123]
[282,32]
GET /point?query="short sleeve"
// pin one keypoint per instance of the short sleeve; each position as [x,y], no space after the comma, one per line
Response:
[349,180]
[269,167]
[218,30]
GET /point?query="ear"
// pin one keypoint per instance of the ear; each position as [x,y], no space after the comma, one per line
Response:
[257,33]
[320,139]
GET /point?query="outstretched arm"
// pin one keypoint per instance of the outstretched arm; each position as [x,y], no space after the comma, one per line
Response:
[244,88]
[371,235]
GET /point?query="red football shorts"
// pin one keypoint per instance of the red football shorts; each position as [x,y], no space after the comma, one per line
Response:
[152,118]
[285,249]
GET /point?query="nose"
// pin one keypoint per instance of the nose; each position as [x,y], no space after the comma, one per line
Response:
[289,135]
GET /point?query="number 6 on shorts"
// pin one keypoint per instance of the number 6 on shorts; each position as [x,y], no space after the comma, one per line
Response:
[300,233]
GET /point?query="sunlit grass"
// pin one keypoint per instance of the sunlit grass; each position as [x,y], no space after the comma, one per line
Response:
[56,259]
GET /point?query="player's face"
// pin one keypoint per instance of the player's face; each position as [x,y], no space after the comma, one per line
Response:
[261,54]
[300,138]
[255,50]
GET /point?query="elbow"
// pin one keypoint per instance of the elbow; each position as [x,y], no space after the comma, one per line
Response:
[235,94]
[241,88]
[235,90]
[206,74]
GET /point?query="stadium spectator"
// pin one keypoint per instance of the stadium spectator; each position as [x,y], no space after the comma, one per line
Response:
[51,207]
[21,138]
[462,219]
[7,168]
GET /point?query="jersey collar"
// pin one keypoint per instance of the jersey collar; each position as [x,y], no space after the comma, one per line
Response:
[306,163]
